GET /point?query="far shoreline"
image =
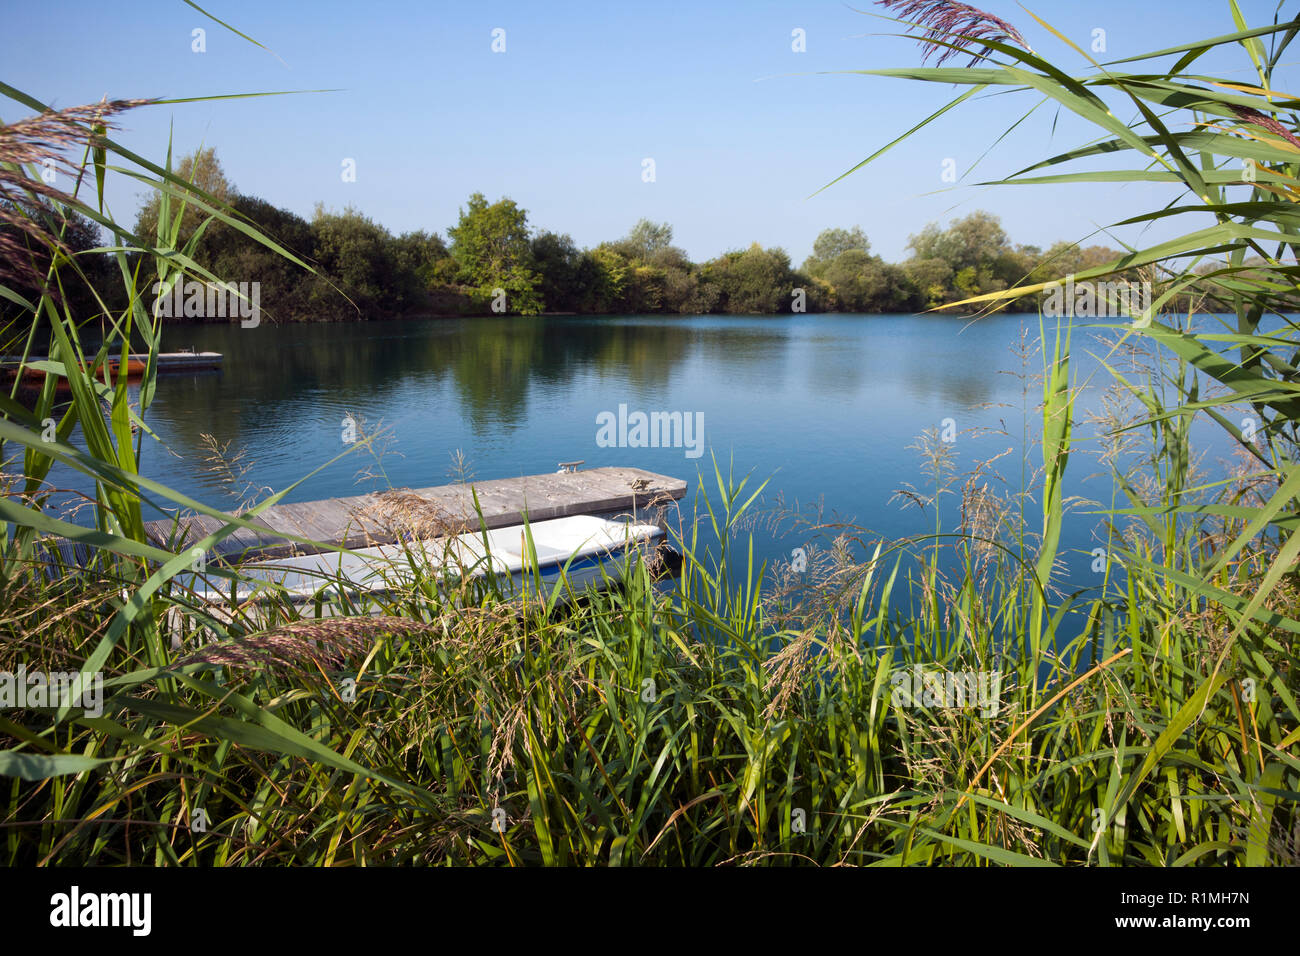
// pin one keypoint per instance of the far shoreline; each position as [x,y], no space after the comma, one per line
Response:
[429,316]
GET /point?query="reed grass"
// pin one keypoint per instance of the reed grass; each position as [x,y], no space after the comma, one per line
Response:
[740,715]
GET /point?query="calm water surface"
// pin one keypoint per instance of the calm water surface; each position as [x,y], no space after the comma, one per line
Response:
[823,405]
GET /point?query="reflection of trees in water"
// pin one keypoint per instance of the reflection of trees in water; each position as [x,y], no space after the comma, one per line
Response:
[492,363]
[280,362]
[498,359]
[644,354]
[756,351]
[267,370]
[832,363]
[647,353]
[959,369]
[952,382]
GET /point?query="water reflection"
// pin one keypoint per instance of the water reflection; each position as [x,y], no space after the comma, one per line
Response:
[831,402]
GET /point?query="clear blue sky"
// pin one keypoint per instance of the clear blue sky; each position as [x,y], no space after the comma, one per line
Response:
[741,128]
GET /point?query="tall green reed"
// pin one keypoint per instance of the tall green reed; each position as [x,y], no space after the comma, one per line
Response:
[715,722]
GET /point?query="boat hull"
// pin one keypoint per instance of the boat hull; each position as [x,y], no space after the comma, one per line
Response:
[136,365]
[574,552]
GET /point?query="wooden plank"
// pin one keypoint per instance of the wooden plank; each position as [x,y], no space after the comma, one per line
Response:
[169,535]
[369,519]
[317,520]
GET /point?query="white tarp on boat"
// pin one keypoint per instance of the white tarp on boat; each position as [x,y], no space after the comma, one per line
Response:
[582,544]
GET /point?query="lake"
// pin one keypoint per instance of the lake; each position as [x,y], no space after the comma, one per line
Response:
[825,406]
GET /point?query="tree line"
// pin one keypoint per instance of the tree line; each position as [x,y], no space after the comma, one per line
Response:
[492,260]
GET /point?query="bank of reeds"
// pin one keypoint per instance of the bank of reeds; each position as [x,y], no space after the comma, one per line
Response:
[901,703]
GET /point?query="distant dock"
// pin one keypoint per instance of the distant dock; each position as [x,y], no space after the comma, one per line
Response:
[135,364]
[384,517]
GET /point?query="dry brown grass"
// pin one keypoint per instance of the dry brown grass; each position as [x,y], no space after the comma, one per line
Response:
[327,643]
[44,141]
[951,28]
[399,514]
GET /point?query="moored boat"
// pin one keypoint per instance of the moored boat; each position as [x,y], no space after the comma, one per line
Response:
[136,364]
[578,549]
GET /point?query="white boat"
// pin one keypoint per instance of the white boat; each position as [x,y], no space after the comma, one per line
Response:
[581,549]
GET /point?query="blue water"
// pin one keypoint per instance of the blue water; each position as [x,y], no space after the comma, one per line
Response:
[823,406]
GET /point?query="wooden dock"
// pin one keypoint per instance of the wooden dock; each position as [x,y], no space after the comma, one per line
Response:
[136,364]
[382,518]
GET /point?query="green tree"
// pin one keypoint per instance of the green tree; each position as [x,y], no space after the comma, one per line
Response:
[681,290]
[864,283]
[831,244]
[419,254]
[288,292]
[856,280]
[203,170]
[364,260]
[646,240]
[756,280]
[978,256]
[1067,258]
[973,240]
[490,243]
[604,273]
[557,261]
[932,279]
